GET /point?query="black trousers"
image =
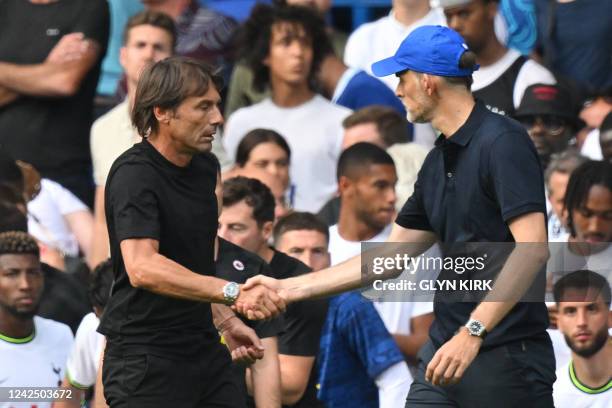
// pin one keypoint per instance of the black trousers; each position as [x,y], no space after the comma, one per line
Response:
[519,374]
[151,381]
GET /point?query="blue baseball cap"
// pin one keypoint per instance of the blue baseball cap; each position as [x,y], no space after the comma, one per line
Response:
[428,49]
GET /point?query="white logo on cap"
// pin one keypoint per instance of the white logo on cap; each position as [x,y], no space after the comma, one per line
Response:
[464,45]
[238,265]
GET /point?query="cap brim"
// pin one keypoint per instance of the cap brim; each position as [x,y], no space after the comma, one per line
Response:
[386,67]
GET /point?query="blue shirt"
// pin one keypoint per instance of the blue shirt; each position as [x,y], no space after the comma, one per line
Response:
[121,11]
[468,189]
[581,43]
[355,348]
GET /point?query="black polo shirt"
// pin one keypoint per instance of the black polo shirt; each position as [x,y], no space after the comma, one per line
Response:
[470,185]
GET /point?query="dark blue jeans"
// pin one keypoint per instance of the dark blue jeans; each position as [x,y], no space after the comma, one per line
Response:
[518,374]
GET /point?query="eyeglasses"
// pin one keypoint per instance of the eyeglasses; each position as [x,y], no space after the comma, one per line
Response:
[552,124]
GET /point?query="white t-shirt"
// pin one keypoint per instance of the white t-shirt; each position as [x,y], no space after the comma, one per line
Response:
[39,362]
[111,135]
[563,261]
[46,220]
[314,133]
[568,392]
[395,315]
[530,73]
[84,359]
[374,41]
[591,147]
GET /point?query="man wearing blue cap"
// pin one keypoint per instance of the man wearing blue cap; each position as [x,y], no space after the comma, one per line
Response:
[482,182]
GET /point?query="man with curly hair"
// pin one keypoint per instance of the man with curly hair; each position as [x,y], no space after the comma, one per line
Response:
[33,350]
[282,55]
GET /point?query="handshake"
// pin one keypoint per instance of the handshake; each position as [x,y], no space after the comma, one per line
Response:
[262,297]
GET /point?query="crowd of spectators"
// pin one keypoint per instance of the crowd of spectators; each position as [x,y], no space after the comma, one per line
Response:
[316,156]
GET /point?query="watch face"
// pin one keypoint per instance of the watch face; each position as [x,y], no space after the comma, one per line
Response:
[232,290]
[475,327]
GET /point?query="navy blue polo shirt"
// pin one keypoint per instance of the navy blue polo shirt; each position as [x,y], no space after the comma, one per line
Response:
[470,185]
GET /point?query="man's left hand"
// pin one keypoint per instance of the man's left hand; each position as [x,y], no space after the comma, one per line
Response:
[244,345]
[452,359]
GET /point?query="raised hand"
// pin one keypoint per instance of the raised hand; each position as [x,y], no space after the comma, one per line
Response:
[242,342]
[259,302]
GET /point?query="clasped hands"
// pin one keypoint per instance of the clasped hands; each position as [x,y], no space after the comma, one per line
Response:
[261,298]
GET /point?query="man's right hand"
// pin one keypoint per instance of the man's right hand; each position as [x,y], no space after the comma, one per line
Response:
[258,302]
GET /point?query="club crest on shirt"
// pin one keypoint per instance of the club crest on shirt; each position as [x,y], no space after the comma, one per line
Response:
[238,265]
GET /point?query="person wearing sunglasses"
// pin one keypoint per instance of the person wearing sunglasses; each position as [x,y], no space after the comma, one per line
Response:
[550,117]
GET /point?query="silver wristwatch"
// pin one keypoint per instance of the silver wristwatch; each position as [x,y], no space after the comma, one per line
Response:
[231,291]
[476,328]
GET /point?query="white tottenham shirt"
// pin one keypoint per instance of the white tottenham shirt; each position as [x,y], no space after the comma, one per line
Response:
[38,360]
[569,392]
[84,358]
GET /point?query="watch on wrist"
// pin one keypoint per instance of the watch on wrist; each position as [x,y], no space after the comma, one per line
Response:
[231,291]
[476,328]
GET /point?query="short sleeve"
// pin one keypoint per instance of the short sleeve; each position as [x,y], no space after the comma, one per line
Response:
[94,22]
[516,175]
[413,215]
[368,337]
[132,203]
[82,364]
[65,201]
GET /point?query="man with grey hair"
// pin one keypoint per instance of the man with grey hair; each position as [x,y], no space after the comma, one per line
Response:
[556,177]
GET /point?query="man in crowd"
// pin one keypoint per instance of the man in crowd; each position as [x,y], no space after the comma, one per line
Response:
[33,350]
[387,129]
[504,74]
[583,299]
[550,116]
[281,48]
[149,37]
[588,208]
[452,203]
[246,220]
[359,363]
[50,56]
[366,182]
[302,236]
[556,178]
[241,89]
[161,212]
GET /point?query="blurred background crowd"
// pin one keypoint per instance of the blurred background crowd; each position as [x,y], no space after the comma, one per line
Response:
[317,156]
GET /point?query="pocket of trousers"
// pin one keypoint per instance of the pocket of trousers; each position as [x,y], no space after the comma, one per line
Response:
[134,372]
